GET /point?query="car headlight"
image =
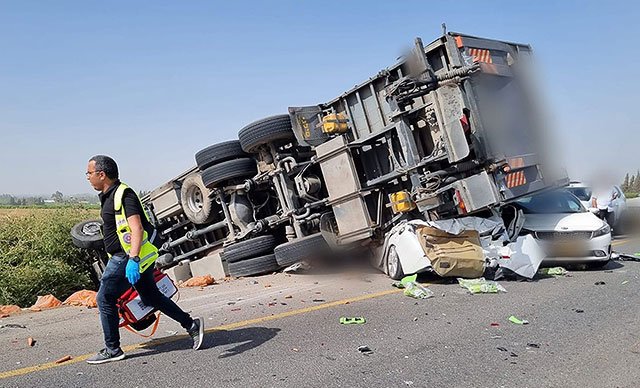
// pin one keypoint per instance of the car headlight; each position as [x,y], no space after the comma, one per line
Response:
[606,229]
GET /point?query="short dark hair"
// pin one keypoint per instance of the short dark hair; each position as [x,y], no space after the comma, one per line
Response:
[107,165]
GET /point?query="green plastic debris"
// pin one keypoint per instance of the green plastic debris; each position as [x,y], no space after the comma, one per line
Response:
[417,290]
[625,282]
[637,254]
[412,288]
[481,286]
[554,271]
[517,321]
[352,320]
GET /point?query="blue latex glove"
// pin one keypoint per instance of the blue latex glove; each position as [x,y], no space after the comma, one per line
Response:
[133,271]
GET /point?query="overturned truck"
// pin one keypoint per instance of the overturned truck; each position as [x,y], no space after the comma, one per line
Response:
[452,129]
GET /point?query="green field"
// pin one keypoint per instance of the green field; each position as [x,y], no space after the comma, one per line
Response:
[37,256]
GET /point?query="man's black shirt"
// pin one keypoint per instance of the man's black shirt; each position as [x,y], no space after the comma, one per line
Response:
[131,206]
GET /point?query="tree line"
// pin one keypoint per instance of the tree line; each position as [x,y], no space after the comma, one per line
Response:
[631,183]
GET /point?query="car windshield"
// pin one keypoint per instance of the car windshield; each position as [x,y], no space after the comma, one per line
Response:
[583,193]
[550,203]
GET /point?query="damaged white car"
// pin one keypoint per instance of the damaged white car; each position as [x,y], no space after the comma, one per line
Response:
[566,231]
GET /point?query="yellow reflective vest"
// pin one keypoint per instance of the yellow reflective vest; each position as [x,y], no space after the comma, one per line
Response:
[148,252]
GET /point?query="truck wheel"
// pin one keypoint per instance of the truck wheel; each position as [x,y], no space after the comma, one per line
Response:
[265,131]
[256,266]
[195,201]
[249,248]
[394,268]
[88,234]
[231,169]
[300,249]
[219,153]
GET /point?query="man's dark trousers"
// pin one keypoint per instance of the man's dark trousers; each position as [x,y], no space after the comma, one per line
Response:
[114,283]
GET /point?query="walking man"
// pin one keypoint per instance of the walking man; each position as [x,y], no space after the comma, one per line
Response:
[131,242]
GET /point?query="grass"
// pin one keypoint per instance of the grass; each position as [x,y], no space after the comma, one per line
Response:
[37,256]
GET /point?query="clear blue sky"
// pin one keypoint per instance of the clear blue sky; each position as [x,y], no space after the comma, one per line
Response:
[152,82]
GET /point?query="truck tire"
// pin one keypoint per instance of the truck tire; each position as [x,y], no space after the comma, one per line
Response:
[392,264]
[219,153]
[231,169]
[88,234]
[265,131]
[301,249]
[249,248]
[256,266]
[196,203]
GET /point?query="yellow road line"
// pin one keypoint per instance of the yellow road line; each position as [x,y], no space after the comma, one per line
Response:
[626,240]
[229,326]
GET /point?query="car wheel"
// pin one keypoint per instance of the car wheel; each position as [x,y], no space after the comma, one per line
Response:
[255,266]
[196,203]
[249,248]
[88,234]
[267,130]
[231,169]
[300,249]
[394,268]
[219,153]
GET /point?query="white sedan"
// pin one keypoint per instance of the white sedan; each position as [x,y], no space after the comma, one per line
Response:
[565,230]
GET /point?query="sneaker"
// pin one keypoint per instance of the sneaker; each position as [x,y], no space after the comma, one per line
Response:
[197,332]
[105,355]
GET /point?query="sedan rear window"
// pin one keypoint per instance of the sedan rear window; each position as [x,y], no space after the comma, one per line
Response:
[583,193]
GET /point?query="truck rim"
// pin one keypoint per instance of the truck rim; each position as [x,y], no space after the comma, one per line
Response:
[195,199]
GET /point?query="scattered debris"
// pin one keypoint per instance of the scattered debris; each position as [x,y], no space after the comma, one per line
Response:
[554,271]
[31,341]
[480,285]
[297,267]
[288,296]
[513,354]
[532,345]
[408,382]
[319,300]
[414,289]
[236,309]
[12,326]
[9,309]
[415,319]
[500,348]
[295,349]
[231,303]
[627,257]
[624,282]
[271,304]
[517,321]
[352,320]
[365,350]
[494,324]
[171,332]
[579,311]
[82,298]
[496,336]
[199,281]
[63,359]
[599,283]
[267,286]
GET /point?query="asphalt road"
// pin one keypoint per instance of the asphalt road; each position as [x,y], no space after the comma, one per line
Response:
[280,330]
